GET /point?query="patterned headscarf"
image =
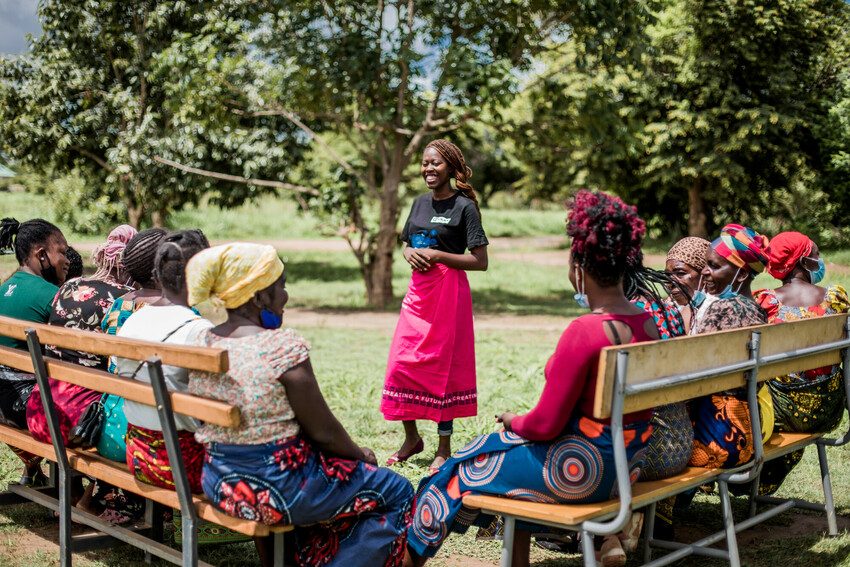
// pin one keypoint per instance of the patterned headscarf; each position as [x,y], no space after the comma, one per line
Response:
[229,275]
[785,250]
[691,250]
[743,247]
[107,256]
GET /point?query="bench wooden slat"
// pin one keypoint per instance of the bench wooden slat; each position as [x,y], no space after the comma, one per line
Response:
[194,358]
[643,493]
[210,411]
[92,464]
[652,360]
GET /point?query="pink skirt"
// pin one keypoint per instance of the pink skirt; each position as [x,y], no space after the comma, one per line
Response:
[431,366]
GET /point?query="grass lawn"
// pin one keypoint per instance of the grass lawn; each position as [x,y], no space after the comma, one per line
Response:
[350,362]
[510,377]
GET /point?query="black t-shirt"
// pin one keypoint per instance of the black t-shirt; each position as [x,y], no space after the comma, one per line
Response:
[451,225]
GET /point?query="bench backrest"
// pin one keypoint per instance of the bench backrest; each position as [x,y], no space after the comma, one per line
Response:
[663,367]
[192,358]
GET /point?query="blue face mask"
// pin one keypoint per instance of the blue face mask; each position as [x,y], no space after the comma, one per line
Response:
[699,295]
[816,276]
[581,297]
[728,292]
[270,320]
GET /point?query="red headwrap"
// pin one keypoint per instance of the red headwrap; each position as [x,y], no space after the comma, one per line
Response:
[784,251]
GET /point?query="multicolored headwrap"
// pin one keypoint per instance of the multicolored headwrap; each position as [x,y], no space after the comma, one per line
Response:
[690,250]
[229,275]
[785,250]
[107,256]
[743,247]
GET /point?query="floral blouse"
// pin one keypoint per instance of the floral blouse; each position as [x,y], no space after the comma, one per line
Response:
[253,385]
[731,313]
[82,303]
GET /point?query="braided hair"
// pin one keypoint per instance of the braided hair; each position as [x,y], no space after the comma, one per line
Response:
[642,283]
[172,255]
[22,237]
[138,257]
[459,170]
[75,264]
[606,235]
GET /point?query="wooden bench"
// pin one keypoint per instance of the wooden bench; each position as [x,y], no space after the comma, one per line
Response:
[89,463]
[641,376]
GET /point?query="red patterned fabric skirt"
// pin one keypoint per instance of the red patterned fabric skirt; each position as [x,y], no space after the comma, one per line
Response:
[147,457]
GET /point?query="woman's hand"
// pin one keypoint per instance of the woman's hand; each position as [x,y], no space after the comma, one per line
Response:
[369,456]
[421,259]
[505,419]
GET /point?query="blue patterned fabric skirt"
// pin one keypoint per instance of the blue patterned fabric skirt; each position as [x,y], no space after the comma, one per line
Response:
[354,513]
[577,467]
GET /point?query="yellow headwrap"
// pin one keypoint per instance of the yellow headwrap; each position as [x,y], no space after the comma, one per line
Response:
[231,274]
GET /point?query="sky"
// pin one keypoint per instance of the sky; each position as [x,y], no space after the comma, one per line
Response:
[17,19]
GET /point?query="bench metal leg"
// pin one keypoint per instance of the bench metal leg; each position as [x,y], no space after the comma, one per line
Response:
[64,469]
[729,524]
[508,541]
[828,502]
[754,494]
[278,556]
[154,518]
[175,459]
[587,549]
[648,531]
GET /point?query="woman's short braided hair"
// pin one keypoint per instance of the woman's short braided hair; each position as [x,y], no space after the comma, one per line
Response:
[139,254]
[606,235]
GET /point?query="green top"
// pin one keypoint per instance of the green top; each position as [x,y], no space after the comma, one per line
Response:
[27,297]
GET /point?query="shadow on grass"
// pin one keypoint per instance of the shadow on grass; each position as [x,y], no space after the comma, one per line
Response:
[502,301]
[315,270]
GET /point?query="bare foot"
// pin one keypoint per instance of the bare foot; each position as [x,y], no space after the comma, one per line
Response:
[409,448]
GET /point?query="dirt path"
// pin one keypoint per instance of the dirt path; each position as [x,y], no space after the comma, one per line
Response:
[386,321]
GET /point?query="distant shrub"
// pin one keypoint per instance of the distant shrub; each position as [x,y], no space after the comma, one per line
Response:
[76,206]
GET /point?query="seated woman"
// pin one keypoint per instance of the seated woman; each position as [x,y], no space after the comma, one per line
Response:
[81,304]
[722,426]
[290,461]
[810,401]
[137,262]
[526,460]
[28,294]
[685,262]
[168,320]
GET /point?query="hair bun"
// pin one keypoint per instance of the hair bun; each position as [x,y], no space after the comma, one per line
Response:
[9,228]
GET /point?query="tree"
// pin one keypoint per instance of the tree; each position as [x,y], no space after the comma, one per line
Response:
[370,85]
[111,84]
[715,117]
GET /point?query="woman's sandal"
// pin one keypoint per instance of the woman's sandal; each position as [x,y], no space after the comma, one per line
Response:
[396,458]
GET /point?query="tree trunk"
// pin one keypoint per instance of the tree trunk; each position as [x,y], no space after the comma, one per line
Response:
[697,218]
[379,271]
[158,219]
[135,215]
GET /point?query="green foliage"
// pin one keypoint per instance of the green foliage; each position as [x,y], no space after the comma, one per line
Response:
[111,85]
[719,110]
[78,206]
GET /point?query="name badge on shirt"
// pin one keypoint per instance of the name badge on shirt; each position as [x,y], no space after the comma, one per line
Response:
[441,220]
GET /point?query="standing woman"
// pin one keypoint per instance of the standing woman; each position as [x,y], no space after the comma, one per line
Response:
[40,249]
[431,367]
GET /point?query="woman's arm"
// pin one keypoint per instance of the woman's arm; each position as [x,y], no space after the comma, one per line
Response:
[566,374]
[476,260]
[316,418]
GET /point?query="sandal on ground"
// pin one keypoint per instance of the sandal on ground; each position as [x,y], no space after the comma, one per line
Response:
[611,554]
[396,458]
[432,470]
[34,480]
[631,532]
[557,542]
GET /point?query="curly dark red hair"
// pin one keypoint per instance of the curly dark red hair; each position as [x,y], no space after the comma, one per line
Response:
[606,235]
